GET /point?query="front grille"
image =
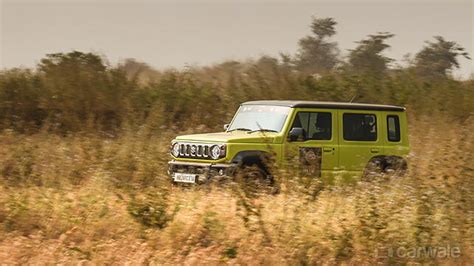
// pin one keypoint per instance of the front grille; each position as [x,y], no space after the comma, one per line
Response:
[195,150]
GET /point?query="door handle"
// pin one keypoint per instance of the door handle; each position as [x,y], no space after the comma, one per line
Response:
[328,149]
[374,150]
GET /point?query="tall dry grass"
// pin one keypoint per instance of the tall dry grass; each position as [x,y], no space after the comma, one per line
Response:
[105,199]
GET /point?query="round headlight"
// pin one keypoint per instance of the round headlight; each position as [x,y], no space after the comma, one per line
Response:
[215,152]
[175,149]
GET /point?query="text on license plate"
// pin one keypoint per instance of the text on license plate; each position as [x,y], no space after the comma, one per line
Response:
[186,178]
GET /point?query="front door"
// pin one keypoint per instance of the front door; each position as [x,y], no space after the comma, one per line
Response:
[316,151]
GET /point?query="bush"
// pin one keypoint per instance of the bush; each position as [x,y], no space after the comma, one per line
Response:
[151,209]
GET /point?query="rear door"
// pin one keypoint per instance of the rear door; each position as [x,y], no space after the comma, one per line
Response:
[318,150]
[360,138]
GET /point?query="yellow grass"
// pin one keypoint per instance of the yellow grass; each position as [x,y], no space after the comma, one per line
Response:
[90,198]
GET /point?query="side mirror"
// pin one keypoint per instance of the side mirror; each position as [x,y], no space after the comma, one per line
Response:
[296,133]
[226,126]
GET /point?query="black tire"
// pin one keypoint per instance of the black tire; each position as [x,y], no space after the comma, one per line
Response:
[254,178]
[395,167]
[385,168]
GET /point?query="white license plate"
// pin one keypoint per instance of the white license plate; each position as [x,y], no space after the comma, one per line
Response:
[185,178]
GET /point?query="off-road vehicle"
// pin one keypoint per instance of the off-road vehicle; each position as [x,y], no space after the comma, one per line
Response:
[318,138]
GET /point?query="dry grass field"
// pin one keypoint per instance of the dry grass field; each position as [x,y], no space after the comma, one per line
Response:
[86,197]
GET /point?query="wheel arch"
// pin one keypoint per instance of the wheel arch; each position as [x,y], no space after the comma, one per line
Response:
[253,157]
[389,160]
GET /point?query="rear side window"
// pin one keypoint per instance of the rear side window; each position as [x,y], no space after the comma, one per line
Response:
[393,128]
[359,127]
[316,125]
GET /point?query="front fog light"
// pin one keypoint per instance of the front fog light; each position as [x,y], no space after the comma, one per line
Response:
[175,150]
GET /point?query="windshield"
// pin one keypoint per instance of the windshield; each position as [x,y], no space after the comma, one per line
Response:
[259,117]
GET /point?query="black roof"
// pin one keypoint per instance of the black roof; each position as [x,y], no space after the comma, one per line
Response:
[332,105]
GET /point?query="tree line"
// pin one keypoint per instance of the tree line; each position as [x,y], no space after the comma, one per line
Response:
[75,91]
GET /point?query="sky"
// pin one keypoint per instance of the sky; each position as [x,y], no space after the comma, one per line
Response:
[179,33]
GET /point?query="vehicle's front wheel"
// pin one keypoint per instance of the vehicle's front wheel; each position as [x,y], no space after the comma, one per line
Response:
[253,178]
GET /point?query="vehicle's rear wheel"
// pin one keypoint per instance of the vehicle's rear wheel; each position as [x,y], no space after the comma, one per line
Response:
[385,167]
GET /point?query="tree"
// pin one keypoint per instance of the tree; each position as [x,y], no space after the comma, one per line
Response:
[316,54]
[20,94]
[367,57]
[139,71]
[437,59]
[79,86]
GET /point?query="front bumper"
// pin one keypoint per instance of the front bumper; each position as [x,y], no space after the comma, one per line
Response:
[203,171]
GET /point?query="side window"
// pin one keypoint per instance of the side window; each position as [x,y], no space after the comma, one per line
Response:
[393,128]
[360,127]
[316,125]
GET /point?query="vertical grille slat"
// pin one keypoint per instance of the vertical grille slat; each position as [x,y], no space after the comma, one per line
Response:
[206,151]
[181,149]
[188,150]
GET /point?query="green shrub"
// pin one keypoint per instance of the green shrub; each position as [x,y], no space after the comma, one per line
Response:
[151,209]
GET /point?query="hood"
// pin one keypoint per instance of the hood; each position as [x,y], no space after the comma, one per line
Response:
[230,137]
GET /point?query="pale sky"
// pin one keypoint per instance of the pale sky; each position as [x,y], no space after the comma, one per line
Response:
[178,33]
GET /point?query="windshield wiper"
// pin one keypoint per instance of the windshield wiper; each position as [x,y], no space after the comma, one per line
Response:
[239,128]
[263,130]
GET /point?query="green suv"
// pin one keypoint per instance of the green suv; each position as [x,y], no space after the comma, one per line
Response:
[317,138]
